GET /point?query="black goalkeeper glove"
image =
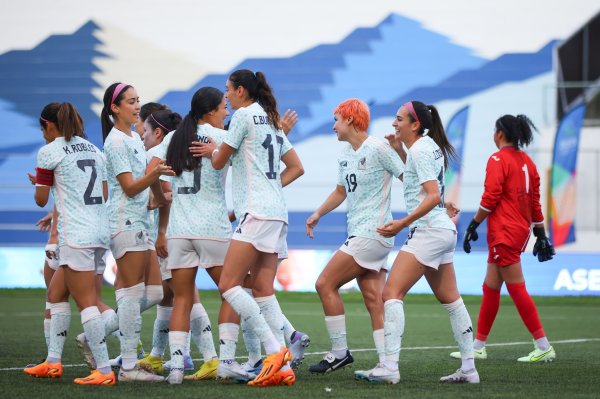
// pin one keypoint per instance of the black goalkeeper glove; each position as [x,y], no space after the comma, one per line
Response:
[543,248]
[470,235]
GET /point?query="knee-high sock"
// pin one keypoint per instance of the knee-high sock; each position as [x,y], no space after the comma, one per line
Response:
[93,327]
[177,342]
[379,339]
[487,312]
[59,328]
[152,296]
[228,336]
[47,327]
[130,323]
[202,332]
[160,332]
[463,331]
[269,308]
[526,308]
[250,339]
[336,328]
[393,328]
[111,322]
[248,309]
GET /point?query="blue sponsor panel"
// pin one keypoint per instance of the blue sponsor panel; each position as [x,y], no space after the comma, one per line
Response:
[566,274]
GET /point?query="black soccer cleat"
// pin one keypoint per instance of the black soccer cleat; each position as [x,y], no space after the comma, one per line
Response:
[331,363]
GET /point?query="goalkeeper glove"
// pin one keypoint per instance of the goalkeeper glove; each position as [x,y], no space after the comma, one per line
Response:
[470,235]
[542,248]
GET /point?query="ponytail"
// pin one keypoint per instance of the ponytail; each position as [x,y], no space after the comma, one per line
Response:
[166,121]
[518,130]
[66,118]
[112,95]
[258,90]
[179,157]
[429,118]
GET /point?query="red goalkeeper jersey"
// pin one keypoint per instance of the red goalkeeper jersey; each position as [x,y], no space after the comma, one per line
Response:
[512,196]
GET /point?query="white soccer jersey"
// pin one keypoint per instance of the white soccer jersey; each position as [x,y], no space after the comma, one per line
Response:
[126,154]
[153,213]
[367,176]
[256,164]
[79,170]
[425,162]
[199,209]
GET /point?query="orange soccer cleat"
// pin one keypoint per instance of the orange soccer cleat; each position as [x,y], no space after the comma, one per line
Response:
[45,370]
[280,378]
[97,378]
[271,365]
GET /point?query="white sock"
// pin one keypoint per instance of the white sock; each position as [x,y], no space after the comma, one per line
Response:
[251,341]
[177,342]
[188,345]
[463,332]
[59,328]
[288,329]
[228,336]
[202,332]
[393,328]
[111,322]
[379,339]
[542,343]
[271,311]
[336,327]
[93,327]
[160,332]
[248,309]
[152,296]
[47,332]
[130,323]
[478,344]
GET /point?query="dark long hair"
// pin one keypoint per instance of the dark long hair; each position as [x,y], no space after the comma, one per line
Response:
[165,120]
[429,119]
[66,118]
[518,130]
[259,90]
[107,123]
[179,156]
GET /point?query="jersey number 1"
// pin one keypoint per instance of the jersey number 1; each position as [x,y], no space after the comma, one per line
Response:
[87,195]
[268,145]
[526,172]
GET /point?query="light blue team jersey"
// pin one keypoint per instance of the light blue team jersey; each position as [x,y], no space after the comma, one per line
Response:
[79,170]
[367,176]
[198,210]
[153,213]
[425,162]
[256,164]
[126,154]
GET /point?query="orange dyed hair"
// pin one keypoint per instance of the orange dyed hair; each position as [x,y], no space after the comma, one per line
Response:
[356,109]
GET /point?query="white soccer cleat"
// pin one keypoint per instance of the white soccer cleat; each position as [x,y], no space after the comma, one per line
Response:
[479,354]
[385,375]
[298,345]
[232,370]
[175,376]
[138,374]
[88,357]
[364,374]
[538,355]
[460,376]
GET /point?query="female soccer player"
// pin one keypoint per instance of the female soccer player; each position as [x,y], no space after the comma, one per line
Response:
[511,202]
[129,219]
[366,168]
[74,170]
[256,146]
[429,249]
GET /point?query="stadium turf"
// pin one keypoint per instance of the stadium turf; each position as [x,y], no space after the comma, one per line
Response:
[572,325]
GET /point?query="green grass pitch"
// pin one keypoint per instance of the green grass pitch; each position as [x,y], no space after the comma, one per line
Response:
[572,325]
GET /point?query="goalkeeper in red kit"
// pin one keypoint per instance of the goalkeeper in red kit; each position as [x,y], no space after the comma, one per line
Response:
[511,202]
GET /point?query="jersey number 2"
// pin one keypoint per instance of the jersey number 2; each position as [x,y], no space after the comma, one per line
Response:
[87,195]
[196,188]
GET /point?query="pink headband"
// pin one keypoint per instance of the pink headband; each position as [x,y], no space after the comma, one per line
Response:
[44,119]
[117,91]
[159,124]
[411,110]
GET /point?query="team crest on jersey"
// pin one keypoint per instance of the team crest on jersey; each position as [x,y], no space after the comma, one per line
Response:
[343,164]
[362,163]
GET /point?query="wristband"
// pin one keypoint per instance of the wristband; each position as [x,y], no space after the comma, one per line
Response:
[214,152]
[51,247]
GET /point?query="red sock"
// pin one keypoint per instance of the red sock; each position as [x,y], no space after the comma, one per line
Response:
[526,309]
[487,312]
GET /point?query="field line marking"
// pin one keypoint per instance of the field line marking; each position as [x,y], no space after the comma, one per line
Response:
[564,341]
